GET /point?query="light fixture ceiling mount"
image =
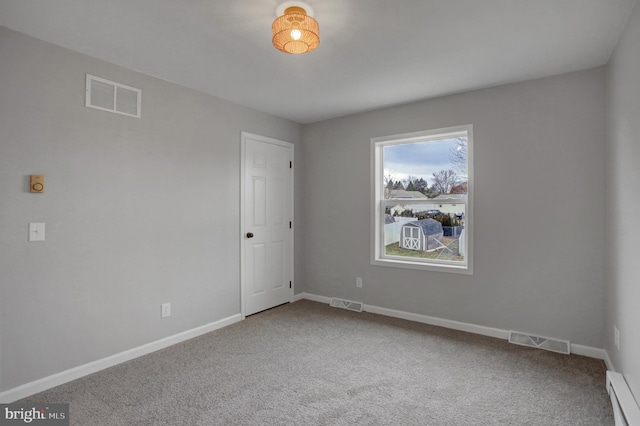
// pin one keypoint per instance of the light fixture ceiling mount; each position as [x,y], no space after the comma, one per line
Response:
[294,30]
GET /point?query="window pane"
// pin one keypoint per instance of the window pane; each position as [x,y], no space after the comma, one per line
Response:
[422,170]
[425,231]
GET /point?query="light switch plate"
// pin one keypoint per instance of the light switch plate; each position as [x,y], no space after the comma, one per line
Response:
[36,231]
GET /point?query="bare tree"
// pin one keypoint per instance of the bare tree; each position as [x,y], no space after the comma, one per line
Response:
[405,182]
[388,186]
[410,185]
[458,155]
[444,180]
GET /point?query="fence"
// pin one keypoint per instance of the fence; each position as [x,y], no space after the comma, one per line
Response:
[452,231]
[392,230]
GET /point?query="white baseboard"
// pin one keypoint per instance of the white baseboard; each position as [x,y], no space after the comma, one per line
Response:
[92,367]
[608,362]
[315,298]
[299,296]
[587,351]
[455,325]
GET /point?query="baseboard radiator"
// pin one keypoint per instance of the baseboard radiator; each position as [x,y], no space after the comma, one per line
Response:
[625,408]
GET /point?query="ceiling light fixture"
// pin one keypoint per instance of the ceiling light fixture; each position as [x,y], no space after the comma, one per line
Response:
[295,31]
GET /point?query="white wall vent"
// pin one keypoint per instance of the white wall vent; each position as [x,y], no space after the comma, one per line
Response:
[346,304]
[554,345]
[113,97]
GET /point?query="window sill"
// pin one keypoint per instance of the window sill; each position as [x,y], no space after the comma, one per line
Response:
[448,268]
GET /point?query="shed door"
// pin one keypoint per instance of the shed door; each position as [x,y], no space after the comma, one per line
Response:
[411,238]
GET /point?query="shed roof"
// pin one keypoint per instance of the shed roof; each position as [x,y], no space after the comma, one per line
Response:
[429,226]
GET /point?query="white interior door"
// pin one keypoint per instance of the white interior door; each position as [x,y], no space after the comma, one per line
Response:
[267,230]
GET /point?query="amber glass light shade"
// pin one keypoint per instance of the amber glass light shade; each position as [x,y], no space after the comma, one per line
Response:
[295,32]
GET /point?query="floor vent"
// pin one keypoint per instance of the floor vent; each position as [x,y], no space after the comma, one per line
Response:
[113,97]
[346,304]
[553,345]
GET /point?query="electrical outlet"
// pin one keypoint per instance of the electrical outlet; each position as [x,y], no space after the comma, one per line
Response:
[359,282]
[166,310]
[616,337]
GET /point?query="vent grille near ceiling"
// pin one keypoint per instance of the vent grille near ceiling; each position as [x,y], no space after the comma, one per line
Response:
[554,345]
[346,304]
[113,97]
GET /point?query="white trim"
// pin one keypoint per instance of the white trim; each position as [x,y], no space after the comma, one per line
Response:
[242,203]
[587,351]
[440,322]
[315,298]
[299,296]
[289,145]
[608,362]
[74,373]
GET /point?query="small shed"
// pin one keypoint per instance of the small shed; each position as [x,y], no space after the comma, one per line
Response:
[421,235]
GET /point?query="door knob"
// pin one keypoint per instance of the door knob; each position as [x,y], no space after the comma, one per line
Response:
[249,234]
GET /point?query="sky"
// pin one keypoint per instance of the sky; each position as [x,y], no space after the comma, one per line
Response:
[419,160]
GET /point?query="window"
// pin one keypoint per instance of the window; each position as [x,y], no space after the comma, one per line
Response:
[422,216]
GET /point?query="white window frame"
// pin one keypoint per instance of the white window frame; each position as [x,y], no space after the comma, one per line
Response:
[378,256]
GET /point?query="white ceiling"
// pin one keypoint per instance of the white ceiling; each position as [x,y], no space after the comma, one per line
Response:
[372,54]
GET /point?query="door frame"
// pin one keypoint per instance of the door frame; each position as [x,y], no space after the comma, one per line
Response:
[264,139]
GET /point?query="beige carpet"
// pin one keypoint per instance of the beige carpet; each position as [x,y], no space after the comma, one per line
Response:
[308,364]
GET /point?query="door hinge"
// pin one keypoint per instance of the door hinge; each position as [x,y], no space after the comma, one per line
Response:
[289,284]
[289,224]
[291,164]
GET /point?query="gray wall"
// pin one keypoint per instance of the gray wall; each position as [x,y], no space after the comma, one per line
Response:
[137,212]
[623,308]
[539,209]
